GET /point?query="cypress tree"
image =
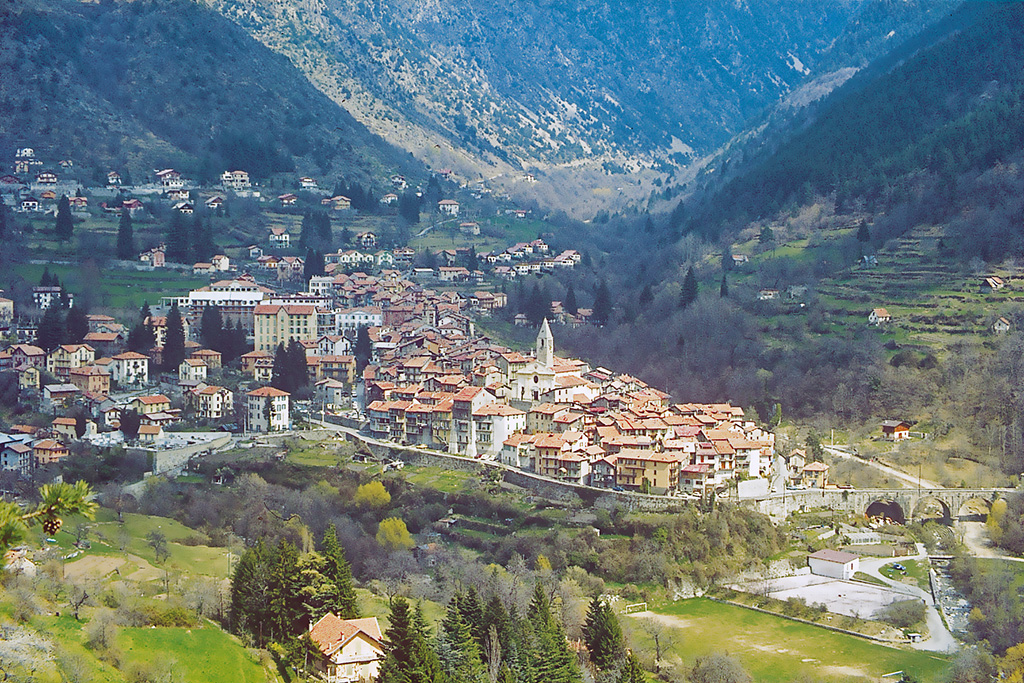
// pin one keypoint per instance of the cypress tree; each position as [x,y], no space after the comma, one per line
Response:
[364,348]
[473,613]
[76,325]
[550,657]
[211,329]
[570,304]
[602,635]
[3,218]
[602,304]
[279,376]
[50,331]
[125,238]
[339,572]
[250,604]
[723,289]
[174,341]
[297,369]
[65,226]
[178,248]
[690,289]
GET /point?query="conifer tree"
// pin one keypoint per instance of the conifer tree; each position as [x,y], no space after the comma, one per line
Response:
[174,341]
[3,218]
[249,594]
[76,325]
[178,247]
[50,331]
[408,658]
[550,657]
[473,613]
[570,304]
[602,635]
[65,226]
[863,234]
[46,280]
[211,329]
[723,289]
[286,608]
[364,348]
[690,289]
[125,238]
[339,572]
[203,247]
[602,304]
[456,648]
[632,672]
[279,375]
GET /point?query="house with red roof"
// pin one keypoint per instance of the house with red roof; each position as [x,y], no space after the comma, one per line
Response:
[351,649]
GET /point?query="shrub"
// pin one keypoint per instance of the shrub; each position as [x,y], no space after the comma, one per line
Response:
[903,614]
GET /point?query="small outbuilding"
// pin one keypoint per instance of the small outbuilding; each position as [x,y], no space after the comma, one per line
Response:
[834,563]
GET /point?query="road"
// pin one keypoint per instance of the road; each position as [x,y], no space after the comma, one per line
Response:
[939,637]
[975,537]
[910,480]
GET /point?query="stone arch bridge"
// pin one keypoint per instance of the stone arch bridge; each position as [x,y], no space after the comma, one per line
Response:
[897,504]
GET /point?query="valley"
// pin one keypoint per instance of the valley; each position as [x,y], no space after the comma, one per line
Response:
[578,342]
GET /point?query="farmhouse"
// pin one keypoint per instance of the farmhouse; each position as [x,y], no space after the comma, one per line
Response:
[895,430]
[351,649]
[877,316]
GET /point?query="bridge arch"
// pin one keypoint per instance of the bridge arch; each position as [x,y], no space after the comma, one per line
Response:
[974,509]
[886,509]
[932,507]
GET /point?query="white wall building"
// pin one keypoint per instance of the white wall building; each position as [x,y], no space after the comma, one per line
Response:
[834,563]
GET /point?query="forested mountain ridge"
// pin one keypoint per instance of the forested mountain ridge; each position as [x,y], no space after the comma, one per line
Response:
[147,84]
[902,190]
[529,83]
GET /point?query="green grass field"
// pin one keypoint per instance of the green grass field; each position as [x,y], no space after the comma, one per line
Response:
[110,287]
[199,655]
[777,650]
[917,573]
[449,481]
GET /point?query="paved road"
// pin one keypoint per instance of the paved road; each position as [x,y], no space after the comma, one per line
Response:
[904,478]
[939,637]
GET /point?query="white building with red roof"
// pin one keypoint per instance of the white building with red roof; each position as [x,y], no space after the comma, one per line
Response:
[352,649]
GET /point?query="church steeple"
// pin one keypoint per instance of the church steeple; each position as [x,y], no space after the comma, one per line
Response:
[545,346]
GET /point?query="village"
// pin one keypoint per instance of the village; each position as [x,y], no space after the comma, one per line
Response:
[429,379]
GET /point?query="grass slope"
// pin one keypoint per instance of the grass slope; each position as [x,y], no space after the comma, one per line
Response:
[202,655]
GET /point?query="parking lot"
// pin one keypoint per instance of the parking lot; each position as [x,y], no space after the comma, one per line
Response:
[851,598]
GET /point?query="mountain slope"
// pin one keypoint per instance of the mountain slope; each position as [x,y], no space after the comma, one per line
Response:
[148,84]
[527,82]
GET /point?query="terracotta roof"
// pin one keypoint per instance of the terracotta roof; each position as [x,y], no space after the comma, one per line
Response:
[268,391]
[332,632]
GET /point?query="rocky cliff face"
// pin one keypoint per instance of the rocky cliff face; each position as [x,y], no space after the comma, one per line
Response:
[529,81]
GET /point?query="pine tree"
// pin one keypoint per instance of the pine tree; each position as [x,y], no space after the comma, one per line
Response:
[457,649]
[632,672]
[76,325]
[46,280]
[408,658]
[602,304]
[570,304]
[250,604]
[723,289]
[125,238]
[211,329]
[174,341]
[339,572]
[65,226]
[690,289]
[286,609]
[602,635]
[473,613]
[550,657]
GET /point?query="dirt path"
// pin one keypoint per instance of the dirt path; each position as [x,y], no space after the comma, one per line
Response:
[664,619]
[977,541]
[907,479]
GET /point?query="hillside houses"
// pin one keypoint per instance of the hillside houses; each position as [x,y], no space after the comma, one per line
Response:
[558,418]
